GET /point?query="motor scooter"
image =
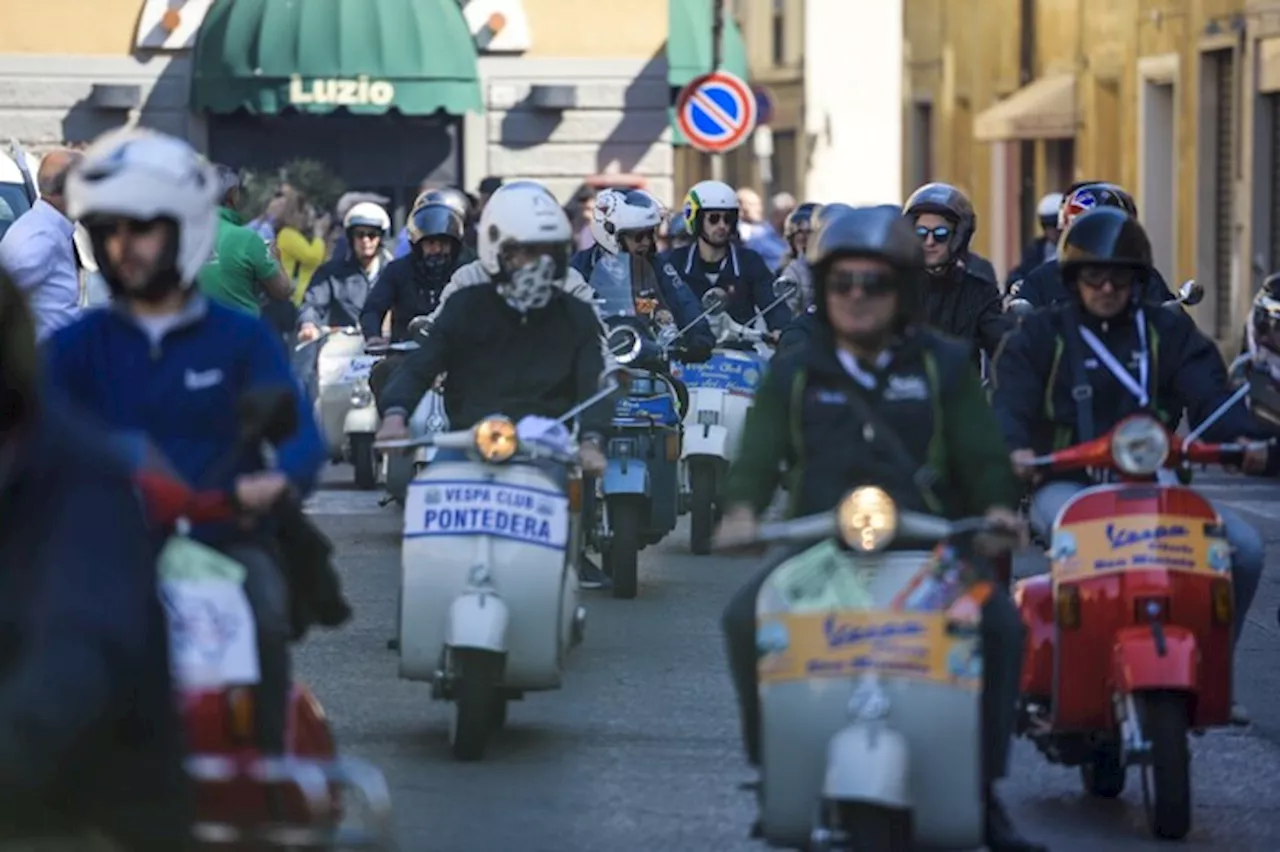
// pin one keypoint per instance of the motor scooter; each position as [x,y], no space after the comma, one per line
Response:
[245,801]
[1129,642]
[721,392]
[870,672]
[344,404]
[638,496]
[489,587]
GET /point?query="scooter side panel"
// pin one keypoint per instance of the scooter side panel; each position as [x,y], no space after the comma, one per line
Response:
[809,671]
[1117,545]
[528,577]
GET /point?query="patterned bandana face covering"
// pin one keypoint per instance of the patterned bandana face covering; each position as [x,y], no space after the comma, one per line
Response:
[530,286]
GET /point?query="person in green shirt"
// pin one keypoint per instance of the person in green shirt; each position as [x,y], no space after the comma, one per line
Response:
[877,399]
[241,263]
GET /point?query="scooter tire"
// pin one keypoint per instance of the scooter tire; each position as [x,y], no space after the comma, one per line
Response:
[364,459]
[477,675]
[622,558]
[1166,780]
[872,828]
[702,506]
[1104,773]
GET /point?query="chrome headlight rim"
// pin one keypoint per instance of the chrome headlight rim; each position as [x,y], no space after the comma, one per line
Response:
[1140,433]
[624,344]
[867,519]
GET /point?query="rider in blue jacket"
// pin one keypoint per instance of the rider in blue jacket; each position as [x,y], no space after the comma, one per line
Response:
[627,221]
[164,362]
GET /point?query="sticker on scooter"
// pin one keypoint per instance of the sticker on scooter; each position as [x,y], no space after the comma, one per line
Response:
[439,508]
[1137,542]
[358,368]
[212,640]
[736,372]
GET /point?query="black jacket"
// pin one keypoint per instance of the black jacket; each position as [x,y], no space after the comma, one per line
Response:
[961,452]
[1186,372]
[404,289]
[966,305]
[744,276]
[88,730]
[1043,287]
[500,362]
[796,336]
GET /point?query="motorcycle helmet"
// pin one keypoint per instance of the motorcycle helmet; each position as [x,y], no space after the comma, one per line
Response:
[1262,339]
[366,214]
[435,220]
[1047,210]
[800,220]
[454,199]
[623,211]
[708,195]
[145,176]
[1105,236]
[521,216]
[1086,196]
[945,200]
[879,232]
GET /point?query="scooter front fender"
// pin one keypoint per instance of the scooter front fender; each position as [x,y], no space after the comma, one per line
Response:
[361,420]
[705,441]
[1137,664]
[626,476]
[478,619]
[869,762]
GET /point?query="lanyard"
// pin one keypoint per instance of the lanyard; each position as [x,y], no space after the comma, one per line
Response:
[1137,388]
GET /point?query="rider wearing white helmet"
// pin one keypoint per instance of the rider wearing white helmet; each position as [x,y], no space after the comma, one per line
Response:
[713,260]
[340,286]
[165,361]
[520,347]
[627,221]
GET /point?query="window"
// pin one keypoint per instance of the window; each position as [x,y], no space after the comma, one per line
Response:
[784,164]
[779,32]
[920,144]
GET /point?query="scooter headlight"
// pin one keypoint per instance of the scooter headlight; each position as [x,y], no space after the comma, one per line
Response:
[361,394]
[1139,445]
[624,344]
[867,519]
[496,439]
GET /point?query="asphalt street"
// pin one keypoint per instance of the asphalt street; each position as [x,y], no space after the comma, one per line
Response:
[640,752]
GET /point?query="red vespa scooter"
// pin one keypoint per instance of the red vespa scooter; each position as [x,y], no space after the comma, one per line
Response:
[246,801]
[1129,636]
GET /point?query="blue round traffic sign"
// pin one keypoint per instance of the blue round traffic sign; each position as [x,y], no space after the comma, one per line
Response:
[764,105]
[716,112]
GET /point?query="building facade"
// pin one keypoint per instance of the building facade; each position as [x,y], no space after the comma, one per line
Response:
[1176,100]
[554,90]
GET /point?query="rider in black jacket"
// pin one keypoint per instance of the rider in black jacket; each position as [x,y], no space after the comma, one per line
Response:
[1043,285]
[959,301]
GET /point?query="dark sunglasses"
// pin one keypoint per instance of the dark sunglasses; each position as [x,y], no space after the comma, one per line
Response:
[116,224]
[1096,277]
[717,217]
[366,235]
[940,234]
[872,284]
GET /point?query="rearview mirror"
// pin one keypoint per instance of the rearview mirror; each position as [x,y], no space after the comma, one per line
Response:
[783,288]
[419,325]
[713,300]
[1020,307]
[624,343]
[1191,292]
[268,413]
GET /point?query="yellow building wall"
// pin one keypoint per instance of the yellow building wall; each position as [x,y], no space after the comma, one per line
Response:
[596,29]
[70,27]
[963,58]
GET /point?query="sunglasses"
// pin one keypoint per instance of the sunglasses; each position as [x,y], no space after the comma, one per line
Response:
[1097,277]
[114,225]
[940,234]
[366,235]
[716,218]
[872,284]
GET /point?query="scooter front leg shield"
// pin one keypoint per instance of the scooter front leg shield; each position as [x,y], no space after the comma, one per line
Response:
[626,476]
[1137,663]
[706,441]
[869,763]
[478,620]
[361,421]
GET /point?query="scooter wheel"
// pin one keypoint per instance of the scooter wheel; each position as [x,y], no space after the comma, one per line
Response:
[364,459]
[1104,773]
[1166,779]
[477,675]
[622,558]
[702,506]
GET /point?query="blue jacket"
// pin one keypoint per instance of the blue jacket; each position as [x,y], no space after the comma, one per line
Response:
[182,390]
[678,298]
[88,729]
[743,275]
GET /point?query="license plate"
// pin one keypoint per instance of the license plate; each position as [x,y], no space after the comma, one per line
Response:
[461,508]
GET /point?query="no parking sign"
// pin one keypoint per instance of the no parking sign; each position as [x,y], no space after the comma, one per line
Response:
[716,112]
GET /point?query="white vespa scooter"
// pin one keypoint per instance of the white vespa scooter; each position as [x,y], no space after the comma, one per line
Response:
[721,392]
[489,588]
[870,669]
[344,403]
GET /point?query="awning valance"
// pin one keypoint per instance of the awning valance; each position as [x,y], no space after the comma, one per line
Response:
[1044,109]
[316,56]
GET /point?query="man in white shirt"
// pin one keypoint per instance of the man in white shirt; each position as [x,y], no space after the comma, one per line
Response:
[38,252]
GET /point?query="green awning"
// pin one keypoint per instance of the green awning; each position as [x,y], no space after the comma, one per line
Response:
[689,48]
[316,56]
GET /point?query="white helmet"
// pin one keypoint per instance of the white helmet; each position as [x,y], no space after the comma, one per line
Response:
[366,214]
[622,211]
[144,175]
[1049,205]
[707,195]
[524,213]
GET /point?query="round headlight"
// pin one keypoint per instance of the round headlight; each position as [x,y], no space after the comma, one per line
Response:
[1139,445]
[496,439]
[867,519]
[624,343]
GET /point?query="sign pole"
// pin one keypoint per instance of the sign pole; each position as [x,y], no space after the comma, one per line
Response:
[717,31]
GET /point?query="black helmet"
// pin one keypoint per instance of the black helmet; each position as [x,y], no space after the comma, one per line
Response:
[800,219]
[880,233]
[1105,236]
[435,220]
[947,201]
[449,196]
